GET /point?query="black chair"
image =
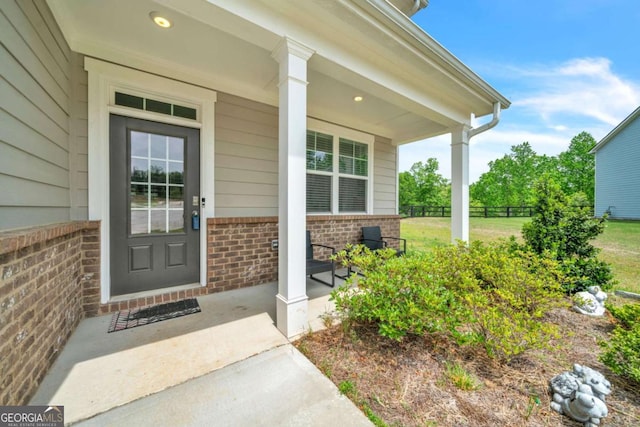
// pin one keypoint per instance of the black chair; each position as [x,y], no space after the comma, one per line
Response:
[373,239]
[315,266]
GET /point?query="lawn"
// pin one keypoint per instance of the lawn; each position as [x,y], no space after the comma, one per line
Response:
[620,242]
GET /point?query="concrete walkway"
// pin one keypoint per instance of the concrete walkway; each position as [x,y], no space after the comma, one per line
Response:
[228,362]
[277,388]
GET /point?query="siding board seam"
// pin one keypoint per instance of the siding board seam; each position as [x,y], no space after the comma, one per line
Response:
[35,130]
[34,181]
[37,58]
[23,5]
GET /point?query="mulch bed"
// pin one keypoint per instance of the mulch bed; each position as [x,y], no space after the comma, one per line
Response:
[405,383]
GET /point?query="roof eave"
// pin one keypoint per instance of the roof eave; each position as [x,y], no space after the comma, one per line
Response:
[432,48]
[616,130]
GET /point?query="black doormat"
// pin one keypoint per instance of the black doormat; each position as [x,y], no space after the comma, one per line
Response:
[127,319]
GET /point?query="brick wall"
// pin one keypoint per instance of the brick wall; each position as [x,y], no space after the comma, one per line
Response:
[239,252]
[337,231]
[239,249]
[43,273]
[50,280]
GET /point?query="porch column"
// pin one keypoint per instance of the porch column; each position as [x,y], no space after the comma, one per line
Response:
[460,183]
[291,301]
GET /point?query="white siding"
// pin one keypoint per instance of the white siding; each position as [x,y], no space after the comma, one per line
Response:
[384,177]
[618,174]
[34,116]
[246,165]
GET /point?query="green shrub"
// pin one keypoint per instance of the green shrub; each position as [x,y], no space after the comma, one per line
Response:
[398,294]
[622,352]
[506,291]
[628,315]
[562,229]
[492,295]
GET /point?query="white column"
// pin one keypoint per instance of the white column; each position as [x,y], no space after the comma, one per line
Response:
[460,183]
[292,300]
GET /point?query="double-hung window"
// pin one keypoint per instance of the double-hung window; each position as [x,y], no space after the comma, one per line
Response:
[338,172]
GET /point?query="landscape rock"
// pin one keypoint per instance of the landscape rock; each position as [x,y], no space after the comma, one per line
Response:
[590,302]
[580,395]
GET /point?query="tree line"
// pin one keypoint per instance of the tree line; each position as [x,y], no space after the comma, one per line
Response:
[510,179]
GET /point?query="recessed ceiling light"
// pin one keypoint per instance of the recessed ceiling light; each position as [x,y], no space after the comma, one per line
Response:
[160,20]
[358,98]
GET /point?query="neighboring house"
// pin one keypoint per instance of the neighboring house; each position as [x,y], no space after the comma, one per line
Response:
[617,171]
[258,119]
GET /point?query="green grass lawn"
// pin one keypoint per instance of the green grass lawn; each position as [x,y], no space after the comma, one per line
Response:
[620,241]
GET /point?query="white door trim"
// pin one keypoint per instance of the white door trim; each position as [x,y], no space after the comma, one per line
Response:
[104,79]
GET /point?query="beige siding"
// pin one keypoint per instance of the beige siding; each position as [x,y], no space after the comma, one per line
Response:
[34,116]
[78,140]
[246,165]
[384,177]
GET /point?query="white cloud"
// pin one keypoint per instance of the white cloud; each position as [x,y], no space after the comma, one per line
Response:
[551,104]
[579,89]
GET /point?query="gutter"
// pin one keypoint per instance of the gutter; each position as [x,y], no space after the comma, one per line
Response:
[485,127]
[435,49]
[417,5]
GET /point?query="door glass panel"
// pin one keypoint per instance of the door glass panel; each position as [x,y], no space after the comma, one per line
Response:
[139,144]
[158,171]
[139,196]
[176,148]
[139,221]
[158,146]
[158,196]
[156,200]
[158,221]
[176,199]
[176,173]
[139,170]
[176,221]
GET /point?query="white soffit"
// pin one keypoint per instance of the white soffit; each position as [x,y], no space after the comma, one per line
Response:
[226,46]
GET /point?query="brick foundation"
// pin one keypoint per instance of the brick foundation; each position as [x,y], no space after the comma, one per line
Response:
[337,231]
[239,249]
[50,280]
[239,252]
[45,272]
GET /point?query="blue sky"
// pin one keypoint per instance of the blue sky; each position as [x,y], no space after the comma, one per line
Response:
[566,65]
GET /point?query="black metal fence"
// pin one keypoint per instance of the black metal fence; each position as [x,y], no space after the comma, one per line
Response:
[474,211]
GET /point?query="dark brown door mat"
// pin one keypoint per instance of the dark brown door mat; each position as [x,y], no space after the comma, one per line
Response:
[127,319]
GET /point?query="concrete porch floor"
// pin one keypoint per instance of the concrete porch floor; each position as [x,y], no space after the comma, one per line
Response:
[98,371]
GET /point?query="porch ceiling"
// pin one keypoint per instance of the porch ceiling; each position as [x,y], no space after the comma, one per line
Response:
[227,47]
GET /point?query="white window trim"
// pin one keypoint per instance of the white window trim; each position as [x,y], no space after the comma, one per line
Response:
[338,132]
[104,80]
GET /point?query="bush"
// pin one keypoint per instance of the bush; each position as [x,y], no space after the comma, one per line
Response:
[507,291]
[562,229]
[398,294]
[627,315]
[492,295]
[622,352]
